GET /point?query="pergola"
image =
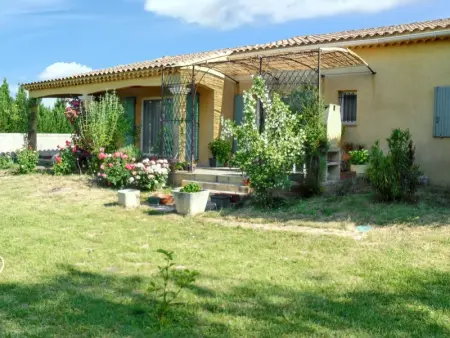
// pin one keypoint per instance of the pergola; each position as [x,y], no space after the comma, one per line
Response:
[283,70]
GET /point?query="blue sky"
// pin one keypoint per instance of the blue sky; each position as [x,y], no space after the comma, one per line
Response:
[36,34]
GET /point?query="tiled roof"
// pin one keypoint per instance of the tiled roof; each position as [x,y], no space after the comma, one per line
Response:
[179,60]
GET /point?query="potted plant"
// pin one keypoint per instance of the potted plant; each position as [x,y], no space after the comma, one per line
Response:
[359,160]
[191,199]
[221,152]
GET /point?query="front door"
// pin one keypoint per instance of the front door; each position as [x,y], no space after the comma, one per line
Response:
[151,126]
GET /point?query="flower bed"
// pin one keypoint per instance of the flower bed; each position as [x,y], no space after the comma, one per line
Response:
[118,170]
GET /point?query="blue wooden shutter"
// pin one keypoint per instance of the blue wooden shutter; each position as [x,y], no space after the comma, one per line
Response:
[238,113]
[442,112]
[189,134]
[130,112]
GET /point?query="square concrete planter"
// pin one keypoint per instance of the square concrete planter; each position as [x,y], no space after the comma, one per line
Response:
[129,198]
[359,169]
[190,204]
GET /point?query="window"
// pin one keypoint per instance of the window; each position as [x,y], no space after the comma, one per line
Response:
[441,112]
[348,103]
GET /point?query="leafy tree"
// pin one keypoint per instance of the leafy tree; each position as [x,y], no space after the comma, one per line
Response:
[22,108]
[6,107]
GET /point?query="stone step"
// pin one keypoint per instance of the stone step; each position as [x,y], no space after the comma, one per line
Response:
[204,177]
[222,187]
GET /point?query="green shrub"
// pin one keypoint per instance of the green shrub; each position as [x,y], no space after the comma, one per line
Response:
[191,188]
[221,149]
[394,176]
[134,153]
[66,161]
[359,157]
[114,169]
[6,161]
[27,159]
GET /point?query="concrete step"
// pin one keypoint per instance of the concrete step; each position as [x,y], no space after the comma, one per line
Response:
[220,187]
[204,177]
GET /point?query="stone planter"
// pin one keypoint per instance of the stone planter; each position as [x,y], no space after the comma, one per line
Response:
[129,198]
[359,169]
[190,204]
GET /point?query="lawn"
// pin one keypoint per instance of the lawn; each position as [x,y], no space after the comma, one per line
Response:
[78,265]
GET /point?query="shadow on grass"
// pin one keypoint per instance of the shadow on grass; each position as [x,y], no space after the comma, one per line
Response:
[432,208]
[77,303]
[418,305]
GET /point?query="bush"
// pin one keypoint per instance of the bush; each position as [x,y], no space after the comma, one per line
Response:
[394,176]
[134,153]
[99,123]
[359,157]
[27,159]
[266,157]
[148,174]
[66,161]
[221,150]
[191,188]
[6,161]
[114,169]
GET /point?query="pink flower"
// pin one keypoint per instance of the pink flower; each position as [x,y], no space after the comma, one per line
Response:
[102,150]
[74,150]
[102,167]
[68,143]
[58,159]
[58,146]
[104,175]
[117,154]
[110,165]
[124,157]
[101,156]
[129,166]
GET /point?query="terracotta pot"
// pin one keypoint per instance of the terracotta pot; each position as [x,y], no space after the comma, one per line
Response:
[345,156]
[166,199]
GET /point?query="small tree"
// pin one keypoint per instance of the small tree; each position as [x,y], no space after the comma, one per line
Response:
[266,157]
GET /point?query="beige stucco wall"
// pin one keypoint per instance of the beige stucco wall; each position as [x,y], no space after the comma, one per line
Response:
[400,95]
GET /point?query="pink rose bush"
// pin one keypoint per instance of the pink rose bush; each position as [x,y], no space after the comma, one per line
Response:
[66,160]
[117,171]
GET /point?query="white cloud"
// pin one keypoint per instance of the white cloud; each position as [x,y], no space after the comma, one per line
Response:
[63,69]
[49,102]
[227,14]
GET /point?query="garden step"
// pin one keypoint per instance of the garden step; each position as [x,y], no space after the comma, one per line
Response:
[222,187]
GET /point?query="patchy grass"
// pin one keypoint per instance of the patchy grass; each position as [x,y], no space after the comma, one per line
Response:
[347,211]
[78,265]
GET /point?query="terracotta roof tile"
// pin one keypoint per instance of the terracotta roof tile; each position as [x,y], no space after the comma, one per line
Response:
[173,61]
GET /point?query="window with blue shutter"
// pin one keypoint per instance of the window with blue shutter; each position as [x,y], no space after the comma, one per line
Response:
[441,112]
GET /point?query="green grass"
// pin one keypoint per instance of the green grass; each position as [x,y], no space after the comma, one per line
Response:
[78,265]
[432,208]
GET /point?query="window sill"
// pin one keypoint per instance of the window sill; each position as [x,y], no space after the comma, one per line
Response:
[349,124]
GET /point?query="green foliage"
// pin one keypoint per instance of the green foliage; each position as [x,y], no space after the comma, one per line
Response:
[53,120]
[221,149]
[114,169]
[27,159]
[66,161]
[395,176]
[102,123]
[309,108]
[170,283]
[134,153]
[358,157]
[6,161]
[148,174]
[266,157]
[191,188]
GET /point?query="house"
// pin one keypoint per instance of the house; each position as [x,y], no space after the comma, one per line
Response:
[383,78]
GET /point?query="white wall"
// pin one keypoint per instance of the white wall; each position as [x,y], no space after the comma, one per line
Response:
[10,142]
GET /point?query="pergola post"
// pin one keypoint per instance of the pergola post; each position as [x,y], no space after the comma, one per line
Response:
[193,140]
[32,124]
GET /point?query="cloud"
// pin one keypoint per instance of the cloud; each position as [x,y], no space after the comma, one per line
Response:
[63,69]
[228,14]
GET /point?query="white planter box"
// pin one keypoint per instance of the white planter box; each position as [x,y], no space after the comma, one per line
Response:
[359,169]
[190,204]
[129,198]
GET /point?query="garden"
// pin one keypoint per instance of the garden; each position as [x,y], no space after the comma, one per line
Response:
[367,258]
